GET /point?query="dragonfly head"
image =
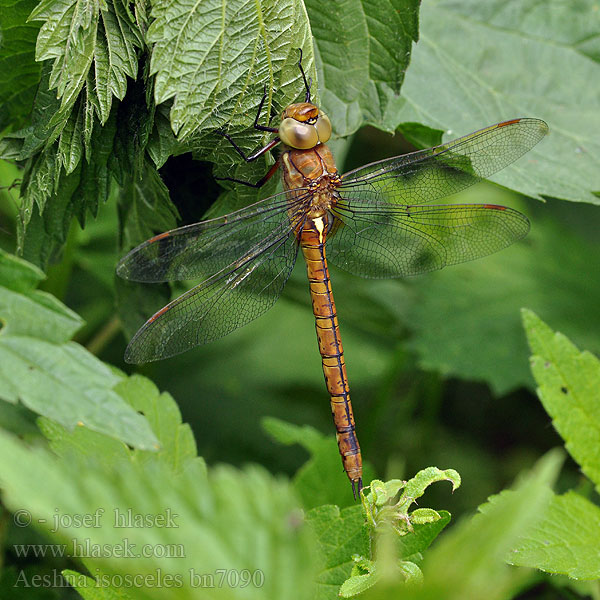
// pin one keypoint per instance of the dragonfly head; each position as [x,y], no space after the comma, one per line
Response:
[303,126]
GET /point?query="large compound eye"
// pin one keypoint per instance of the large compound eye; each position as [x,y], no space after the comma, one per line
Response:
[298,135]
[323,126]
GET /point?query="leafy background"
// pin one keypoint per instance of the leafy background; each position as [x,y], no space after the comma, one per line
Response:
[92,96]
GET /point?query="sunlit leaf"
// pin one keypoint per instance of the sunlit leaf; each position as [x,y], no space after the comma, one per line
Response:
[569,387]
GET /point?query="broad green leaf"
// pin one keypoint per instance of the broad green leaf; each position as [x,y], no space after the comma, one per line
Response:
[468,561]
[465,319]
[48,374]
[564,540]
[340,534]
[569,387]
[321,480]
[213,58]
[228,520]
[364,49]
[477,63]
[19,74]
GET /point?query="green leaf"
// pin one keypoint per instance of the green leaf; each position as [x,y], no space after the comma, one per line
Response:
[564,541]
[569,388]
[48,374]
[214,58]
[364,576]
[227,521]
[19,74]
[364,49]
[145,207]
[460,314]
[340,534]
[115,55]
[477,63]
[176,439]
[423,534]
[28,312]
[321,480]
[52,199]
[77,35]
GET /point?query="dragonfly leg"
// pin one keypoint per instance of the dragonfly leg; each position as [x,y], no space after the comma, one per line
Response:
[308,83]
[259,183]
[256,124]
[256,154]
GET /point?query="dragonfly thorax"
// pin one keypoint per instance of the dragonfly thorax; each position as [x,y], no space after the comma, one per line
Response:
[304,126]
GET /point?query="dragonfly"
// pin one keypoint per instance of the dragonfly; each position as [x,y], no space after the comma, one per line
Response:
[376,221]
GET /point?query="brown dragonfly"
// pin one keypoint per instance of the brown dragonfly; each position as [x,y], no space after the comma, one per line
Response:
[374,221]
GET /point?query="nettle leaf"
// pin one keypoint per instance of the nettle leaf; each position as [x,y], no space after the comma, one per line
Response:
[177,448]
[19,73]
[341,533]
[51,376]
[52,199]
[145,207]
[564,541]
[80,34]
[569,388]
[364,48]
[477,63]
[213,58]
[212,524]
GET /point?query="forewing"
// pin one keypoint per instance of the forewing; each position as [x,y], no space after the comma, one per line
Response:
[202,249]
[385,241]
[427,175]
[231,298]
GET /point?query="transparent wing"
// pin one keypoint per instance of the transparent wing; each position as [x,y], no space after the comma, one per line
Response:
[202,249]
[382,240]
[427,175]
[229,299]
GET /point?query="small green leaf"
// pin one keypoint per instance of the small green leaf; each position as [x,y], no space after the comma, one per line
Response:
[569,389]
[411,572]
[364,576]
[423,533]
[416,486]
[422,516]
